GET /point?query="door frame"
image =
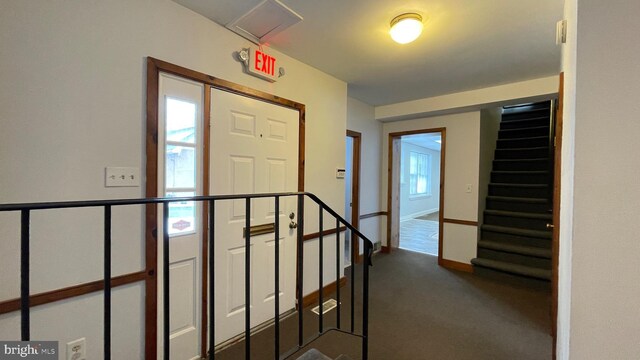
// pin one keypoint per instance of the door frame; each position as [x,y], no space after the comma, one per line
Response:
[555,238]
[392,209]
[154,68]
[355,189]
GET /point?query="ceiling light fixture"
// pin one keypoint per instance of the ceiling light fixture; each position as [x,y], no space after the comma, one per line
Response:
[406,27]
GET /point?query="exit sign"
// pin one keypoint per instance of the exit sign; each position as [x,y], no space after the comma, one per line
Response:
[262,65]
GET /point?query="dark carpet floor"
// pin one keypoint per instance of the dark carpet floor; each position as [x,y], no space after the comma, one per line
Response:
[419,310]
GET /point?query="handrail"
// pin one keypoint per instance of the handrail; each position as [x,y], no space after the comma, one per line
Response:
[26,208]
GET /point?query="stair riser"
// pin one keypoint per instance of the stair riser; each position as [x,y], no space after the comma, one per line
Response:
[507,278]
[521,165]
[525,115]
[514,258]
[513,191]
[505,125]
[517,206]
[522,154]
[525,132]
[515,239]
[523,178]
[518,222]
[521,143]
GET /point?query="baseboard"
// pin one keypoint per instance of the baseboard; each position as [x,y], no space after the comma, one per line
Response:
[418,214]
[312,298]
[455,265]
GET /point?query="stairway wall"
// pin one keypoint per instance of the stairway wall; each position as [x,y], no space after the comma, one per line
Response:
[489,126]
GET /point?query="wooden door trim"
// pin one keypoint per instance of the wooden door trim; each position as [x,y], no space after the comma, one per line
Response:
[154,68]
[355,188]
[390,211]
[555,239]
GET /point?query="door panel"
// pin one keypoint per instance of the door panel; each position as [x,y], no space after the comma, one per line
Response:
[254,149]
[180,149]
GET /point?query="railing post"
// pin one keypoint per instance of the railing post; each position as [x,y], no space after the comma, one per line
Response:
[320,270]
[338,272]
[107,283]
[212,316]
[277,277]
[247,280]
[25,320]
[365,301]
[165,278]
[300,269]
[353,281]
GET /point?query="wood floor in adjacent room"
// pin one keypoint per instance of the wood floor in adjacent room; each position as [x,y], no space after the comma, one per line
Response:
[419,310]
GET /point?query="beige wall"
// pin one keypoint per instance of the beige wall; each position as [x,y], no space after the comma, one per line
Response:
[72,101]
[489,127]
[461,168]
[602,287]
[360,118]
[473,100]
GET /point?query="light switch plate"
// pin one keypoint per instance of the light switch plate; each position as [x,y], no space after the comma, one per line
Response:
[469,188]
[122,176]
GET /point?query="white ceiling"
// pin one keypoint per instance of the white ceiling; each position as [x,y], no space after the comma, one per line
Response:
[465,45]
[424,140]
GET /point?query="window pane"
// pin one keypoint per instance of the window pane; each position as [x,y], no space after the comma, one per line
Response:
[180,167]
[181,214]
[181,121]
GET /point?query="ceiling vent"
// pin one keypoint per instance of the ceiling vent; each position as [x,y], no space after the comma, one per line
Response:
[264,21]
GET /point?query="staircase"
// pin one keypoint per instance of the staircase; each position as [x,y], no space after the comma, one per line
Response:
[514,236]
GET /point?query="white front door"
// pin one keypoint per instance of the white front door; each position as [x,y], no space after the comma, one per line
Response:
[254,149]
[180,151]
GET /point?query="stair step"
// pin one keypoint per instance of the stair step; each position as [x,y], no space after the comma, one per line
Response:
[519,214]
[520,176]
[313,354]
[518,199]
[518,231]
[534,152]
[517,269]
[522,132]
[523,142]
[530,122]
[513,114]
[516,249]
[521,164]
[525,220]
[518,204]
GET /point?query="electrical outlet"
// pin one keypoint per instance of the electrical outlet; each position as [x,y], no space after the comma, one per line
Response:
[122,176]
[77,349]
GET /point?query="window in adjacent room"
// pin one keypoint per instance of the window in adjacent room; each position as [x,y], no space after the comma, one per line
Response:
[419,174]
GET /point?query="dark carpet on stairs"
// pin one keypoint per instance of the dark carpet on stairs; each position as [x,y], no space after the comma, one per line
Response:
[419,310]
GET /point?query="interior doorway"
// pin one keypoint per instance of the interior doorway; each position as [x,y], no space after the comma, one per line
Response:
[418,185]
[352,194]
[419,207]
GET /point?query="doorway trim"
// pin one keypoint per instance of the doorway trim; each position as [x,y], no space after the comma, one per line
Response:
[391,208]
[355,189]
[154,68]
[555,238]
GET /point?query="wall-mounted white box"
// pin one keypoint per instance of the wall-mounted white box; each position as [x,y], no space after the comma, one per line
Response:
[122,176]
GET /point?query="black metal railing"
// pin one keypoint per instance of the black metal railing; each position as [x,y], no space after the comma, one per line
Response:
[27,208]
